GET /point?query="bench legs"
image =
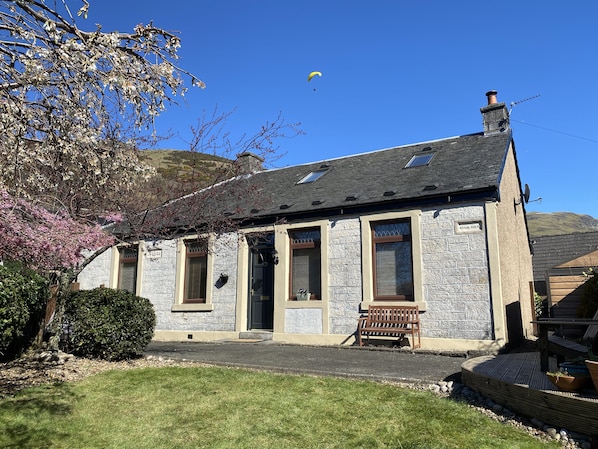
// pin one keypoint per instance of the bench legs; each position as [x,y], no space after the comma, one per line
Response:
[365,342]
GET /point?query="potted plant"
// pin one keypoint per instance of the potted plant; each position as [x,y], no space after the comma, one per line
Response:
[303,294]
[575,367]
[569,381]
[592,364]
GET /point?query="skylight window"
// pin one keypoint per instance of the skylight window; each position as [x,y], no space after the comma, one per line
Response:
[313,176]
[420,159]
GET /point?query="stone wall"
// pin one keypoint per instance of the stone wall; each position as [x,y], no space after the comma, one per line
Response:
[97,273]
[159,277]
[455,274]
[303,321]
[344,266]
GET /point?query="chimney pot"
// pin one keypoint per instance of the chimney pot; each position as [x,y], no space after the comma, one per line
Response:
[495,115]
[492,97]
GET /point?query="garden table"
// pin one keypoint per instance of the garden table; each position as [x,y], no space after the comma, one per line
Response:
[544,324]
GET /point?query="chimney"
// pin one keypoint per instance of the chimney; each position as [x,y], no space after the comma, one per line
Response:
[495,116]
[248,163]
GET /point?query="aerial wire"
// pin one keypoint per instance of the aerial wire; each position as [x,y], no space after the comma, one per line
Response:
[555,131]
[514,103]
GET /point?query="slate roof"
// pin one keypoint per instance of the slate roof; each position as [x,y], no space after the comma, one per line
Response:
[463,168]
[553,250]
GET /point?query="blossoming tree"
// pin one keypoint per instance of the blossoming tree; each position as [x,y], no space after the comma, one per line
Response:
[74,105]
[71,102]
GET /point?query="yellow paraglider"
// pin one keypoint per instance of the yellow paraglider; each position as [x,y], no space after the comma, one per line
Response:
[312,74]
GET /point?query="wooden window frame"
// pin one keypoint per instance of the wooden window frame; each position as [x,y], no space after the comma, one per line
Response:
[304,245]
[122,260]
[391,239]
[194,255]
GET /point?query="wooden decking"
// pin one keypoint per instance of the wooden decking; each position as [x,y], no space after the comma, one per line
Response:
[516,382]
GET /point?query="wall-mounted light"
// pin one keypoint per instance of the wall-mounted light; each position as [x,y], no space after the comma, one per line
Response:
[274,257]
[223,279]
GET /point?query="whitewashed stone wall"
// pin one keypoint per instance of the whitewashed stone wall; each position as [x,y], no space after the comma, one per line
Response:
[97,272]
[454,271]
[303,321]
[158,278]
[344,267]
[158,284]
[455,274]
[159,288]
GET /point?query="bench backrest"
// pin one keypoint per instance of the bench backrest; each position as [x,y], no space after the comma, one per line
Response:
[393,314]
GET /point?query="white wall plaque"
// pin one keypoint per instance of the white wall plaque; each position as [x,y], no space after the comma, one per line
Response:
[469,227]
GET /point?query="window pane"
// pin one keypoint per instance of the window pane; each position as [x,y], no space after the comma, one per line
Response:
[195,247]
[127,276]
[127,269]
[306,270]
[419,160]
[196,278]
[393,269]
[305,237]
[398,228]
[128,253]
[313,176]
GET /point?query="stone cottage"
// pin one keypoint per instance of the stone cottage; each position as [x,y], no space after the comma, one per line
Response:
[439,224]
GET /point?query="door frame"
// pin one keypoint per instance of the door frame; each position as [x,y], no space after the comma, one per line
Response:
[260,245]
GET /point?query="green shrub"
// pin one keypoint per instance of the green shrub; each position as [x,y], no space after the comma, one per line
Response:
[589,295]
[23,296]
[107,324]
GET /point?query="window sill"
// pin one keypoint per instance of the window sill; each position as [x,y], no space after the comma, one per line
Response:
[422,305]
[311,304]
[199,307]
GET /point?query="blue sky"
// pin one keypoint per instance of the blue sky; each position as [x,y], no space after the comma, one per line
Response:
[394,73]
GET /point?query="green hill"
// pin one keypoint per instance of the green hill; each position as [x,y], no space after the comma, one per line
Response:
[556,223]
[184,166]
[179,173]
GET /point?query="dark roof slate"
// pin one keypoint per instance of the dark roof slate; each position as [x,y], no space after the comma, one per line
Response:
[553,250]
[461,166]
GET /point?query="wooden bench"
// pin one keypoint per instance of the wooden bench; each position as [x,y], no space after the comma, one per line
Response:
[389,321]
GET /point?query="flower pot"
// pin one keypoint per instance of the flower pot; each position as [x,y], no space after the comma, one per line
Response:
[565,382]
[575,369]
[303,296]
[593,369]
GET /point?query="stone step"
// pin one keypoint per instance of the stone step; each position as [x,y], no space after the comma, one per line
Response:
[255,335]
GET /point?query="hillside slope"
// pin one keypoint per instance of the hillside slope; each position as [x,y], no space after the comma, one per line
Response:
[556,223]
[184,166]
[180,173]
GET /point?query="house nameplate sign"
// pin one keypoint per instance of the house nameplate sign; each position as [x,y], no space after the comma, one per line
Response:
[469,227]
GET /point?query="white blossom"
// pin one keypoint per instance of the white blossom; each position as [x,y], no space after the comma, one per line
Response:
[69,98]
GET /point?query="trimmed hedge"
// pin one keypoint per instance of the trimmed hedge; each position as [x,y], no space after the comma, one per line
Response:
[23,296]
[107,324]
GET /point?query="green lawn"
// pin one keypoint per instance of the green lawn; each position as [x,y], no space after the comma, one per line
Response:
[191,407]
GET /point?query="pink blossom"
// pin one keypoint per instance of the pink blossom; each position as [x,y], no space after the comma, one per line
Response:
[42,239]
